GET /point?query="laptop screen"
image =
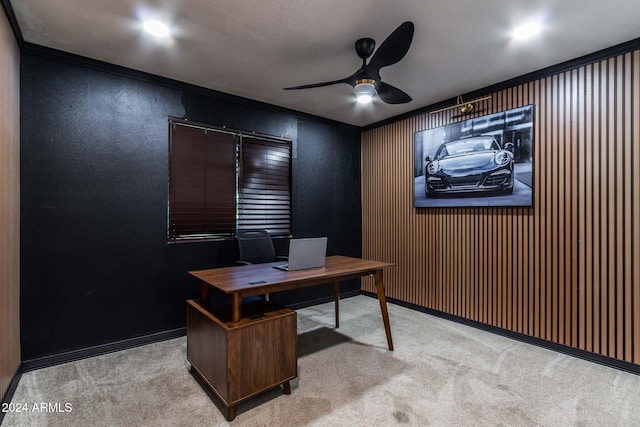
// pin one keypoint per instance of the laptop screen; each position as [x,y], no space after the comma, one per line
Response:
[307,253]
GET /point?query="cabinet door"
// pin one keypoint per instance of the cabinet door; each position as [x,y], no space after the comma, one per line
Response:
[263,354]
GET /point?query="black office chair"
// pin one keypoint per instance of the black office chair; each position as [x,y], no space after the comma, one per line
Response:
[256,247]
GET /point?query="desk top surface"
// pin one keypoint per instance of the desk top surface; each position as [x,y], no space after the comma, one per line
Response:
[260,278]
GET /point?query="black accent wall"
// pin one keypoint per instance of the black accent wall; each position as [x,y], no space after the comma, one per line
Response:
[96,267]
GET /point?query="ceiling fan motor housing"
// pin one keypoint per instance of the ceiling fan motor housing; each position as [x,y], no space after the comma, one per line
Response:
[365,47]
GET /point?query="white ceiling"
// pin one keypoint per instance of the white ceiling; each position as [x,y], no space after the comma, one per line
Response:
[254,48]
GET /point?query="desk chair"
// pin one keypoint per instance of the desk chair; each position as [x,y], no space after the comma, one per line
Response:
[256,247]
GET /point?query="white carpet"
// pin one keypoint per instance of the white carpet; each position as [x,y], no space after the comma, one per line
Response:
[441,374]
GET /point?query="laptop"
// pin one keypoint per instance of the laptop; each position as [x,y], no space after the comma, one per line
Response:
[305,253]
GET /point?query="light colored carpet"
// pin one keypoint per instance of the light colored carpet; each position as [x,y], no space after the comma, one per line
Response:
[441,374]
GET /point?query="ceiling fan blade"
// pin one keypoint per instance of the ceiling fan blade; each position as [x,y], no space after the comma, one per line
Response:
[394,48]
[333,82]
[391,94]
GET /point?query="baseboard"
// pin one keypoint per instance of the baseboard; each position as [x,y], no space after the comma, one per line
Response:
[57,359]
[322,300]
[71,356]
[581,354]
[11,389]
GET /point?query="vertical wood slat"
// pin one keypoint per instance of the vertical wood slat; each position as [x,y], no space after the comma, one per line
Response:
[634,232]
[585,207]
[628,206]
[566,270]
[9,204]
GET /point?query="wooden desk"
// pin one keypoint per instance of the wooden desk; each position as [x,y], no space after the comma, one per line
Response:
[222,347]
[258,279]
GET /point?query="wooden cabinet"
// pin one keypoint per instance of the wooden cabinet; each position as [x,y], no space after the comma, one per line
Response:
[239,360]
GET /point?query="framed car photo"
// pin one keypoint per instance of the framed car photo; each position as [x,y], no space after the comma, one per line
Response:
[483,161]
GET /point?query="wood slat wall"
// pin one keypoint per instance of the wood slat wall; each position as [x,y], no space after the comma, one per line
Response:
[565,270]
[9,204]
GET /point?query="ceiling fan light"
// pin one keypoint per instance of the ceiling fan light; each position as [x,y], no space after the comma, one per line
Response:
[365,90]
[364,99]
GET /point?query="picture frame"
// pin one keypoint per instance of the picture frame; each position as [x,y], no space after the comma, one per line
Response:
[481,161]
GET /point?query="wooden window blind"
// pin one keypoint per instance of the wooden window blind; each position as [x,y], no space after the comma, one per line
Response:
[202,183]
[264,196]
[222,181]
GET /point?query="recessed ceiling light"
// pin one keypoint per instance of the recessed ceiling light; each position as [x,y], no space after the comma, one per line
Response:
[527,30]
[156,28]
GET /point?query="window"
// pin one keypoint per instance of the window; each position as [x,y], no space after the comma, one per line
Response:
[221,181]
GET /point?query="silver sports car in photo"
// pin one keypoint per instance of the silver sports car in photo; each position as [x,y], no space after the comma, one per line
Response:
[476,164]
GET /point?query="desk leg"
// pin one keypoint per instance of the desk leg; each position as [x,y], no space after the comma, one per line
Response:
[286,387]
[235,307]
[205,291]
[336,291]
[231,413]
[383,307]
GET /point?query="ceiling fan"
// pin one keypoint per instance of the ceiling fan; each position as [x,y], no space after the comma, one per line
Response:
[366,80]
